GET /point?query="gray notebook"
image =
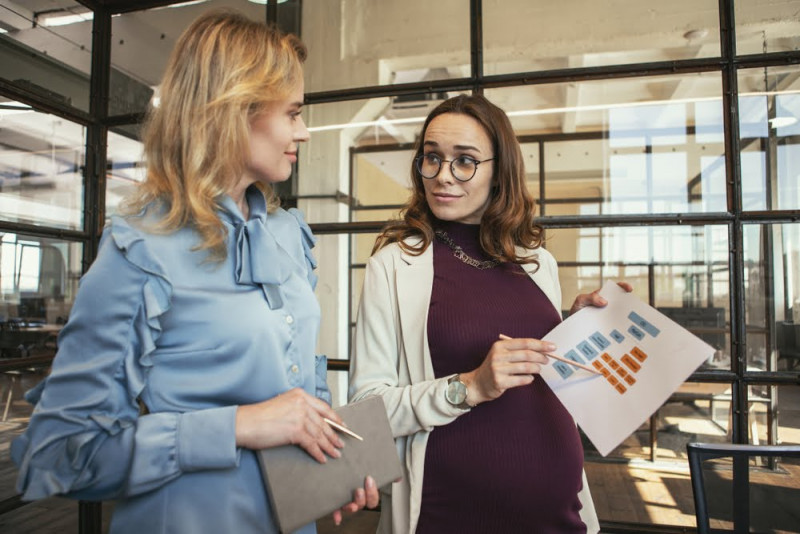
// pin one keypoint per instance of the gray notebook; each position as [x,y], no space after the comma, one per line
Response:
[303,490]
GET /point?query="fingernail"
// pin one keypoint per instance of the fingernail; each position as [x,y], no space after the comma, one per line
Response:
[549,347]
[603,301]
[336,453]
[370,482]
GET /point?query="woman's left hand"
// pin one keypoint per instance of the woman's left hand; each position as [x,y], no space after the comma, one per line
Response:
[594,298]
[367,496]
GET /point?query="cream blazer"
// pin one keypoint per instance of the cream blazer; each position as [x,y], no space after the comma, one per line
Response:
[391,358]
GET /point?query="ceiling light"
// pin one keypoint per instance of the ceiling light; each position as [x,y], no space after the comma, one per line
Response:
[381,121]
[782,122]
[181,4]
[262,2]
[13,108]
[46,19]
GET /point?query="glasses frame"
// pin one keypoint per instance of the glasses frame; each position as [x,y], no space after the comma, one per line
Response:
[420,157]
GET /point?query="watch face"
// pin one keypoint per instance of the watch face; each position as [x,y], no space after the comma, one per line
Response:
[456,393]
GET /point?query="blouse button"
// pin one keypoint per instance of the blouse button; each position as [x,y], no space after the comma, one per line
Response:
[295,369]
[289,319]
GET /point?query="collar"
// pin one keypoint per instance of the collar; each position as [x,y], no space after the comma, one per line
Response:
[260,257]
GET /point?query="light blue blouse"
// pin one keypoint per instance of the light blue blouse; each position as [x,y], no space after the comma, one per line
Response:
[192,340]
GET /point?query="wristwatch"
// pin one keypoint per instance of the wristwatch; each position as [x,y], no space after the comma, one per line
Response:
[456,393]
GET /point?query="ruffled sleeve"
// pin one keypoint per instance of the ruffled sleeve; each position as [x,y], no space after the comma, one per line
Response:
[86,438]
[309,240]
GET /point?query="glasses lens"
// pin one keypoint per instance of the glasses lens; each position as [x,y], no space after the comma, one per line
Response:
[463,168]
[428,165]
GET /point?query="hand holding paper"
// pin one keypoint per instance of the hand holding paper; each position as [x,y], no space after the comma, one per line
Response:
[643,357]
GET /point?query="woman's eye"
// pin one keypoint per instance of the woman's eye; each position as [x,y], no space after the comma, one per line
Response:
[433,159]
[465,161]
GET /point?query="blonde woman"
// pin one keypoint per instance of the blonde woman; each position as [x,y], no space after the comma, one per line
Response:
[191,341]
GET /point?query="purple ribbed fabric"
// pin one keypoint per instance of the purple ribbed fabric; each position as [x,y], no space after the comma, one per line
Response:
[512,465]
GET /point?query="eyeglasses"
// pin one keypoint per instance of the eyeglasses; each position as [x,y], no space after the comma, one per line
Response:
[463,168]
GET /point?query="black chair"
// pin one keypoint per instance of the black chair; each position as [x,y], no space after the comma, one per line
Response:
[779,506]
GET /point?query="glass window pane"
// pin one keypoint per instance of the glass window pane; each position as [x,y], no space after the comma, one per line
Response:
[787,418]
[141,43]
[369,140]
[360,43]
[382,178]
[46,48]
[331,252]
[772,296]
[633,146]
[41,168]
[687,267]
[769,127]
[766,26]
[38,281]
[531,36]
[125,166]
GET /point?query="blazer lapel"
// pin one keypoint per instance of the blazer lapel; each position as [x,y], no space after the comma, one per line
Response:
[414,280]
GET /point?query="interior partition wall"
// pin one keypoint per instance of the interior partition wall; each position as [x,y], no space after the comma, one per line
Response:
[660,140]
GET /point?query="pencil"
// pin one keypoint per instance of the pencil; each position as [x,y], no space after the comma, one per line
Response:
[565,360]
[344,429]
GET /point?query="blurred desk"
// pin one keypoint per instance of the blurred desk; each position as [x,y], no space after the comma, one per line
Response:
[20,339]
[25,348]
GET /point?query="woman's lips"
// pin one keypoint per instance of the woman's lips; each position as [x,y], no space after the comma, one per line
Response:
[444,197]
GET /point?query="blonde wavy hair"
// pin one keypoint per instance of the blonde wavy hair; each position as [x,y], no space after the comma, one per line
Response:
[224,70]
[509,220]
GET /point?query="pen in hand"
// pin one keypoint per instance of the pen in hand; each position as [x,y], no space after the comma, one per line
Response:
[341,428]
[565,360]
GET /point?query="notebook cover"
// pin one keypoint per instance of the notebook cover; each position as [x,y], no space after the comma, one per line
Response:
[302,490]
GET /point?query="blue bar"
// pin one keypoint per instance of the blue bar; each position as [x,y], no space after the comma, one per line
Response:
[616,336]
[587,350]
[572,355]
[563,369]
[598,339]
[635,332]
[641,322]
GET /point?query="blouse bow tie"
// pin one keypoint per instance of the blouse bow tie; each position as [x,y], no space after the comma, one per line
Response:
[261,260]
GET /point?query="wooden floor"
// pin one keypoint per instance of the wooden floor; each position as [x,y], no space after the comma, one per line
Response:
[626,489]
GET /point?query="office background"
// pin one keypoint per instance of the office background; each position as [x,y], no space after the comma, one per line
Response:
[661,139]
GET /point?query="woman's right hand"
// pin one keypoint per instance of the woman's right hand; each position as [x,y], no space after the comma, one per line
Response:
[510,363]
[294,417]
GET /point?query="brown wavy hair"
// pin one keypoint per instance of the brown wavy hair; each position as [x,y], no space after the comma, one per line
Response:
[224,70]
[508,221]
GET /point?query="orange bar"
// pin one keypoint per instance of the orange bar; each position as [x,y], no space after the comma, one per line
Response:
[597,365]
[606,357]
[641,356]
[606,373]
[613,380]
[620,388]
[632,364]
[630,380]
[621,372]
[614,365]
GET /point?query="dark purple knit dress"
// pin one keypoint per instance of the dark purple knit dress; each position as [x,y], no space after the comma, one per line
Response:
[512,465]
